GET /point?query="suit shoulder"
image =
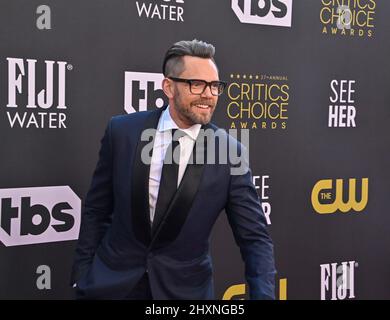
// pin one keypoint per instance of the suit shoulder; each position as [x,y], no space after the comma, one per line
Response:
[129,118]
[128,122]
[121,125]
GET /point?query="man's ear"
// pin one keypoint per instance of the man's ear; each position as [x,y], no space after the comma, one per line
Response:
[167,87]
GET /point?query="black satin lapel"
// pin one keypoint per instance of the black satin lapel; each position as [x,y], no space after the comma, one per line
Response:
[180,206]
[140,185]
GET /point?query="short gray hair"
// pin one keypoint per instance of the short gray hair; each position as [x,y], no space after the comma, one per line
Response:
[173,63]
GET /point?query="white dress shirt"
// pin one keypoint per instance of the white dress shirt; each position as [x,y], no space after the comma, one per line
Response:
[162,140]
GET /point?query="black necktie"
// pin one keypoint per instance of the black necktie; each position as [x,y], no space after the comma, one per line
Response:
[168,181]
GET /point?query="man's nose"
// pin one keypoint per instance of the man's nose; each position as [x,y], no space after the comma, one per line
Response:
[207,92]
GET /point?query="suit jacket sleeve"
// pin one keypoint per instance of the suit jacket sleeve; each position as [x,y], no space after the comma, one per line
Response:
[96,211]
[247,220]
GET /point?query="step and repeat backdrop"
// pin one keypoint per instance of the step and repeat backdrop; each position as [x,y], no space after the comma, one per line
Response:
[309,79]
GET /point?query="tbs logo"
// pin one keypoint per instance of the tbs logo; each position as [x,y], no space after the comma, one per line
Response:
[38,215]
[143,90]
[269,12]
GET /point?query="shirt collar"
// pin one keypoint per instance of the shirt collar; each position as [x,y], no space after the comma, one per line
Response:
[167,123]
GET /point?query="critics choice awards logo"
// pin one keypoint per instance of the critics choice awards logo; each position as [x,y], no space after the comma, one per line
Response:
[348,17]
[258,101]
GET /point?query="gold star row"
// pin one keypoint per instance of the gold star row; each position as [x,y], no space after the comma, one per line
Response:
[244,76]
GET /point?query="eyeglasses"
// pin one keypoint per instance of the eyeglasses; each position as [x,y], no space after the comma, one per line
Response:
[199,86]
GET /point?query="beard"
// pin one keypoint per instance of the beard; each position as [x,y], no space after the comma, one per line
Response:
[191,113]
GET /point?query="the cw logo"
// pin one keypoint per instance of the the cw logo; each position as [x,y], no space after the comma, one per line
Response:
[239,290]
[338,203]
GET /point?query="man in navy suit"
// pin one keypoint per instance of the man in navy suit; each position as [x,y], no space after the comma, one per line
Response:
[146,220]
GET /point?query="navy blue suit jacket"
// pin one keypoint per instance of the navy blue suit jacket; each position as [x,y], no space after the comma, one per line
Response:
[116,246]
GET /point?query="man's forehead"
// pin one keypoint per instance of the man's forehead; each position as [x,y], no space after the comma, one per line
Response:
[199,66]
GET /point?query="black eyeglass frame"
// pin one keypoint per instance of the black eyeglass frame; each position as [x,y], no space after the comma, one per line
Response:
[207,84]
